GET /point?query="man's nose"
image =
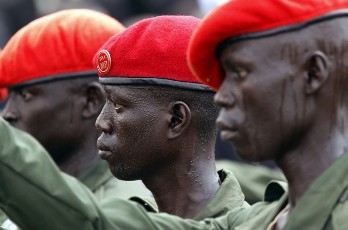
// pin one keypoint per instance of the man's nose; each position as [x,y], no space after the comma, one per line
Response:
[10,113]
[224,97]
[103,124]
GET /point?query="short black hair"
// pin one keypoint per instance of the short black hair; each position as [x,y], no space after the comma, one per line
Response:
[201,103]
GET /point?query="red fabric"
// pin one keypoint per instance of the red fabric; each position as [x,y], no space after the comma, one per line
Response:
[60,43]
[3,94]
[239,17]
[154,47]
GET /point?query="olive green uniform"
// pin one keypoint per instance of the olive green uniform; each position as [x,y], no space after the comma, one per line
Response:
[253,179]
[3,218]
[103,185]
[323,206]
[73,206]
[228,197]
[65,202]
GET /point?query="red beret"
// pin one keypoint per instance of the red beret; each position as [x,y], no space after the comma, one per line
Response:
[245,19]
[150,52]
[58,45]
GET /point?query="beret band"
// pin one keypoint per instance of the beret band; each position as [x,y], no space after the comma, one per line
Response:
[84,74]
[134,81]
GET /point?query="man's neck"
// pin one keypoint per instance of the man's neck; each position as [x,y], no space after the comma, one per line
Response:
[80,159]
[309,160]
[186,187]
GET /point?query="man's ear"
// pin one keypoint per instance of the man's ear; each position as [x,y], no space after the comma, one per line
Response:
[317,72]
[95,100]
[179,120]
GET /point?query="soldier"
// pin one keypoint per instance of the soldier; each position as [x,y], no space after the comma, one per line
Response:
[158,122]
[280,68]
[56,97]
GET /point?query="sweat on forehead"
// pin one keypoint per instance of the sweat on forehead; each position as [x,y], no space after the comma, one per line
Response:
[246,19]
[151,52]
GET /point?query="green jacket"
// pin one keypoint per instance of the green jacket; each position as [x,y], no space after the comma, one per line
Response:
[104,185]
[3,217]
[72,206]
[228,197]
[324,206]
[33,200]
[253,179]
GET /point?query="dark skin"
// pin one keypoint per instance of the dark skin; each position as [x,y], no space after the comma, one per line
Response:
[60,115]
[156,141]
[288,103]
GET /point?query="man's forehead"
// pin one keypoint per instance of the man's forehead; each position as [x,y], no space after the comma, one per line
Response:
[126,89]
[249,49]
[46,91]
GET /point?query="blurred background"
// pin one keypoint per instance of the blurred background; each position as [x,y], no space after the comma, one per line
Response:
[14,14]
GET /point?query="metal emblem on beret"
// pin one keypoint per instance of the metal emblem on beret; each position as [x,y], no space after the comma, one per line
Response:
[103,62]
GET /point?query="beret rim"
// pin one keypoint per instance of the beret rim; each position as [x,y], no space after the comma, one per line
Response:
[278,30]
[51,78]
[153,81]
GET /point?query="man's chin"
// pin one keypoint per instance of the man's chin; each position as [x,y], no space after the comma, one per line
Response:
[123,174]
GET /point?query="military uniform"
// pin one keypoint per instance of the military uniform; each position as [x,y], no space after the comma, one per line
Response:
[228,197]
[21,178]
[323,206]
[221,55]
[23,160]
[104,185]
[3,218]
[252,179]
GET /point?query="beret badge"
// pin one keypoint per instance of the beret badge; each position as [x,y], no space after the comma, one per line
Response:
[103,62]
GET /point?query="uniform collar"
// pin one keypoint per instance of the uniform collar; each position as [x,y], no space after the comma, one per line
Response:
[318,202]
[229,196]
[97,175]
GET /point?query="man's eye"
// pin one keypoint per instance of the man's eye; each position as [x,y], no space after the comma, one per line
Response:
[242,74]
[118,107]
[26,95]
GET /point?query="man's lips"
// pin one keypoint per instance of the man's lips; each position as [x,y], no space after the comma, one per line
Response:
[228,135]
[104,152]
[227,132]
